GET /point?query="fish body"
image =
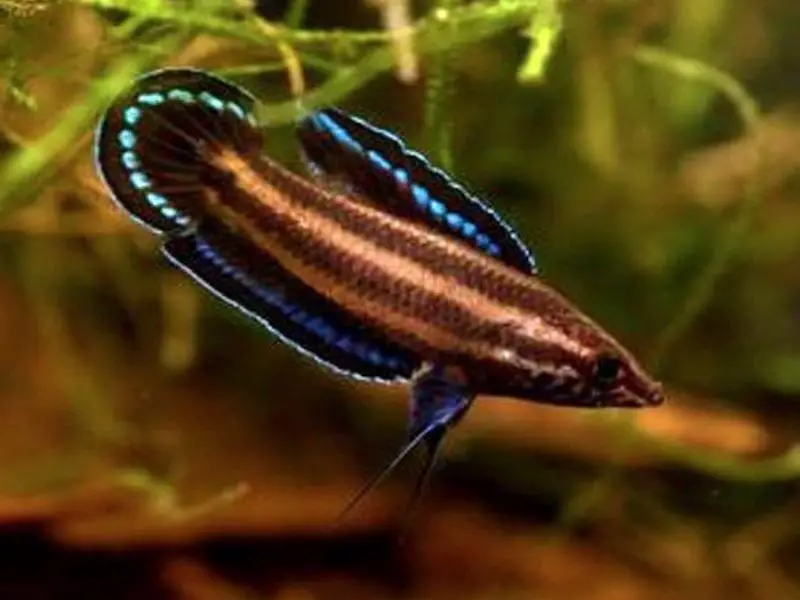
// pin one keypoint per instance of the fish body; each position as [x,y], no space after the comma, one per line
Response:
[380,266]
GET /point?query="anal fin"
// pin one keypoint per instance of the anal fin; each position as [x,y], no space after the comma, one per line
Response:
[256,284]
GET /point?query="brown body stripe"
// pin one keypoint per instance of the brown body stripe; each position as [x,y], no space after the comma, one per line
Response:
[447,257]
[340,263]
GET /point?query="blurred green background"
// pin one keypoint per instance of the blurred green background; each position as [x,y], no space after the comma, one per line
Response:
[153,444]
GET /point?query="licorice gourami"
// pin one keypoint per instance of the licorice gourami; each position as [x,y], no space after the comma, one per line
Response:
[382,267]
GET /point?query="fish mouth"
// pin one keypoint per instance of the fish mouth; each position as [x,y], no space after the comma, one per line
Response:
[656,397]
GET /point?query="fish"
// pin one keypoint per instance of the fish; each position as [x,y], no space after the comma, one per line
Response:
[376,264]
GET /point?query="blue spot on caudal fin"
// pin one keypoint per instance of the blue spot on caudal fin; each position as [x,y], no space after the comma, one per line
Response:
[153,143]
[378,166]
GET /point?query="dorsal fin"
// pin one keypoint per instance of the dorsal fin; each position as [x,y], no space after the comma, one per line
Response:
[378,166]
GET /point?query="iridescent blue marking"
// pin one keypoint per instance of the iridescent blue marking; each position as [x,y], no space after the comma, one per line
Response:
[421,196]
[169,212]
[379,161]
[309,322]
[236,109]
[212,101]
[139,180]
[482,240]
[132,114]
[401,177]
[324,122]
[454,220]
[325,331]
[314,324]
[299,317]
[151,98]
[438,209]
[469,229]
[126,139]
[156,200]
[184,96]
[360,349]
[131,160]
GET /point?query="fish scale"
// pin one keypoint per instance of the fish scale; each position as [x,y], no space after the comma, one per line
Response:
[382,267]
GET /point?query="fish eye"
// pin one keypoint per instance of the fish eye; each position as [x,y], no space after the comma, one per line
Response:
[607,368]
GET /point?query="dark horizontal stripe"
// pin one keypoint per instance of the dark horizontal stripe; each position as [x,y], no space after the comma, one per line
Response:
[365,277]
[469,268]
[253,282]
[371,280]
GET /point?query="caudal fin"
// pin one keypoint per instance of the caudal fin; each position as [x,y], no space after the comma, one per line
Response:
[153,142]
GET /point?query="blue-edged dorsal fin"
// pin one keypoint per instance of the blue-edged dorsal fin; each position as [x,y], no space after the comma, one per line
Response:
[376,165]
[253,282]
